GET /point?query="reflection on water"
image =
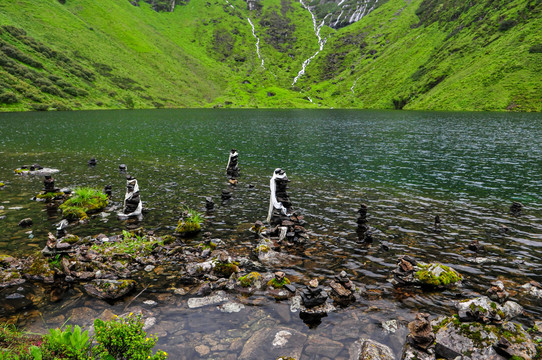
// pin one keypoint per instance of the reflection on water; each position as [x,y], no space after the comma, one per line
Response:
[407,167]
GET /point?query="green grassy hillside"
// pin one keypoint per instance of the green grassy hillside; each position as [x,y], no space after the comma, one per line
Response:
[422,54]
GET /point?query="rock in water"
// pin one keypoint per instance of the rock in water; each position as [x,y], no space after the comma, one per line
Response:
[365,349]
[109,289]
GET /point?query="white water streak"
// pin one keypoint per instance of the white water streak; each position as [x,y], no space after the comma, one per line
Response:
[338,18]
[321,42]
[257,42]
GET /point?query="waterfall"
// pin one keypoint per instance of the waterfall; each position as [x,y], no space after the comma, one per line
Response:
[257,42]
[321,42]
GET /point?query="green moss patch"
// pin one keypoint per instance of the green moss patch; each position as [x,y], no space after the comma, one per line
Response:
[50,195]
[437,275]
[249,279]
[225,269]
[278,284]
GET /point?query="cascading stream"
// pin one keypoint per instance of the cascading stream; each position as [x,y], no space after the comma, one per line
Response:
[257,43]
[255,36]
[321,42]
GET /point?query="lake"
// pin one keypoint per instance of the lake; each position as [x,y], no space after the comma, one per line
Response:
[408,167]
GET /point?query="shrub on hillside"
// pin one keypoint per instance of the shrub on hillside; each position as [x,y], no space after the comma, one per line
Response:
[8,98]
[536,49]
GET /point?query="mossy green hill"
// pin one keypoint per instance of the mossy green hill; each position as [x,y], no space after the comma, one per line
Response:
[418,54]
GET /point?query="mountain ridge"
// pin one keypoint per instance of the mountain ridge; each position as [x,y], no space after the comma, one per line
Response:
[418,54]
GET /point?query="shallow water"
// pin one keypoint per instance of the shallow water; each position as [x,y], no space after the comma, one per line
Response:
[406,166]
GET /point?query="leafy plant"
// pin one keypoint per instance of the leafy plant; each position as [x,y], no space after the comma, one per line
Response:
[124,338]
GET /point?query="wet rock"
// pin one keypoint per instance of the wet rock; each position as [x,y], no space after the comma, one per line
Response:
[390,326]
[92,162]
[483,310]
[202,350]
[231,307]
[271,343]
[194,303]
[123,168]
[26,222]
[366,349]
[477,341]
[533,289]
[109,289]
[149,323]
[497,292]
[475,245]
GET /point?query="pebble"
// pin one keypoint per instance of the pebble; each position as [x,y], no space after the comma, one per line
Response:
[149,268]
[202,350]
[150,303]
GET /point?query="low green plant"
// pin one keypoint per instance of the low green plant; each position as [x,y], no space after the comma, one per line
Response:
[278,284]
[130,244]
[72,342]
[83,201]
[124,338]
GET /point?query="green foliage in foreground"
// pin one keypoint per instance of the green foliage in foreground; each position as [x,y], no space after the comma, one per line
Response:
[421,54]
[116,339]
[83,201]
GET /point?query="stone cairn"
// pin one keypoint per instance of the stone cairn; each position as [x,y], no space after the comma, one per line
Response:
[313,303]
[232,169]
[49,185]
[516,208]
[123,168]
[108,190]
[209,203]
[284,222]
[421,332]
[342,289]
[363,231]
[132,202]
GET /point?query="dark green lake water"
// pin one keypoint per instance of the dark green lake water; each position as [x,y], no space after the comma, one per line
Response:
[407,166]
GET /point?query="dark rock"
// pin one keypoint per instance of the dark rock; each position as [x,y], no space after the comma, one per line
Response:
[26,222]
[226,195]
[313,295]
[516,208]
[123,168]
[209,203]
[108,190]
[92,162]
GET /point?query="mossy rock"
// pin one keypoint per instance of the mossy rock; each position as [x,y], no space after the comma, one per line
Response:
[70,239]
[84,201]
[263,248]
[210,245]
[187,229]
[250,279]
[278,284]
[50,195]
[109,289]
[225,269]
[21,171]
[168,239]
[2,184]
[437,275]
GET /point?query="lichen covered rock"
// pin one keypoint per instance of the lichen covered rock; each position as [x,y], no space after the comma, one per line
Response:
[109,289]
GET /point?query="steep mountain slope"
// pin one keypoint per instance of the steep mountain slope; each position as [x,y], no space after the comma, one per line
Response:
[418,54]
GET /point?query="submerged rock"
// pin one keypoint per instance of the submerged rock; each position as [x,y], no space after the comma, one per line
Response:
[109,289]
[271,343]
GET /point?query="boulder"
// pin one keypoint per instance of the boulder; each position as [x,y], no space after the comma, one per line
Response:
[271,343]
[366,349]
[109,289]
[482,309]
